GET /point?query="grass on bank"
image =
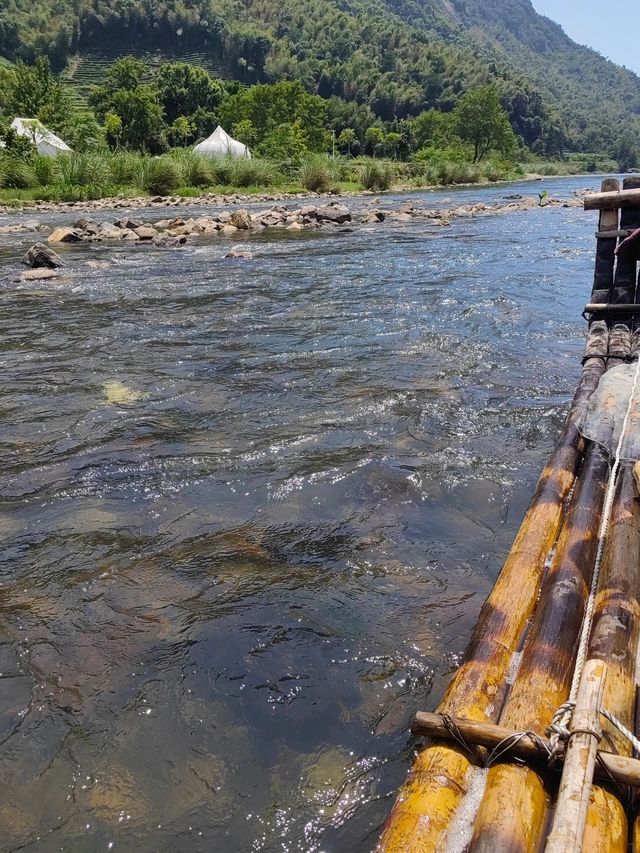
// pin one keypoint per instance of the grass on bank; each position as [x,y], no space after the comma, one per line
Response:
[90,176]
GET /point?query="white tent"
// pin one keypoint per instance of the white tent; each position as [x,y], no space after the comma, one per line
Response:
[220,144]
[45,141]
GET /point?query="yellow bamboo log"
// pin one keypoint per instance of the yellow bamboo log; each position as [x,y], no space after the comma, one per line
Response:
[513,811]
[616,630]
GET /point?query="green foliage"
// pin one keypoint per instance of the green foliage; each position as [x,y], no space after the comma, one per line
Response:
[346,139]
[44,169]
[270,107]
[376,176]
[195,170]
[247,173]
[82,170]
[159,175]
[16,173]
[482,121]
[287,143]
[316,174]
[185,90]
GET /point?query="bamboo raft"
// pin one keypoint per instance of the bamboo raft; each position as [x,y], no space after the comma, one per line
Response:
[519,665]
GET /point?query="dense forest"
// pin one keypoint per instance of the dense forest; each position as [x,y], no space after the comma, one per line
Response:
[384,60]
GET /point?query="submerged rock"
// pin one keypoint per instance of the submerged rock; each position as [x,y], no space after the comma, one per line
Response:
[118,394]
[239,252]
[37,275]
[40,255]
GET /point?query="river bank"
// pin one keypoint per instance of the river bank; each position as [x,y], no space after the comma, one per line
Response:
[141,202]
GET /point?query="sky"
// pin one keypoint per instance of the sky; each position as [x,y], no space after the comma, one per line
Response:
[612,28]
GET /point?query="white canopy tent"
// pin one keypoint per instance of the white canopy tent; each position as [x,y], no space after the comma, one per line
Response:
[45,141]
[220,144]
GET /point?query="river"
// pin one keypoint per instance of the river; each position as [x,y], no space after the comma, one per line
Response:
[249,511]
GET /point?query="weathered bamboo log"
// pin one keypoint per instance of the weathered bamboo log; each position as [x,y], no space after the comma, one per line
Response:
[570,816]
[513,811]
[624,770]
[616,630]
[437,781]
[612,200]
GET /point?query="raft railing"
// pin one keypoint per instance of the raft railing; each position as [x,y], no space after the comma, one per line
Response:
[460,795]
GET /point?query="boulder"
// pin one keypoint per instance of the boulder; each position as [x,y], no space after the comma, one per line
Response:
[109,232]
[146,232]
[241,219]
[295,226]
[334,212]
[129,224]
[84,224]
[40,255]
[64,235]
[228,230]
[373,217]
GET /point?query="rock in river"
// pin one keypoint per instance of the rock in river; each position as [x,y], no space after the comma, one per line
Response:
[334,212]
[64,235]
[40,255]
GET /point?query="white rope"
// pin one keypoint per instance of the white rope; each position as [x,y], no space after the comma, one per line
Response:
[558,728]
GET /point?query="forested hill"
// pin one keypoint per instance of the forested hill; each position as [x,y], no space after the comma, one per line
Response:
[391,58]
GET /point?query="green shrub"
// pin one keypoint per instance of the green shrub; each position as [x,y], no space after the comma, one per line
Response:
[124,167]
[376,176]
[316,174]
[196,170]
[248,173]
[45,169]
[82,170]
[222,168]
[16,174]
[159,175]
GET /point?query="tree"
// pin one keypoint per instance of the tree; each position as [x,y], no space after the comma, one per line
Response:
[374,138]
[482,121]
[391,143]
[185,89]
[626,153]
[346,139]
[245,132]
[268,107]
[182,131]
[34,91]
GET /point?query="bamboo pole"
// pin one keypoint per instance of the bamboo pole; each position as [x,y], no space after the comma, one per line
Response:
[437,781]
[616,630]
[513,811]
[624,770]
[570,817]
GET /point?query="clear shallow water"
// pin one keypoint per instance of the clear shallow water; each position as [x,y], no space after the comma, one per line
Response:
[222,602]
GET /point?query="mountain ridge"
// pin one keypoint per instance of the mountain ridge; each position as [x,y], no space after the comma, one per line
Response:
[394,58]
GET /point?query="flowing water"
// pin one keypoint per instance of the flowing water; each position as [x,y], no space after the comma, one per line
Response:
[249,511]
